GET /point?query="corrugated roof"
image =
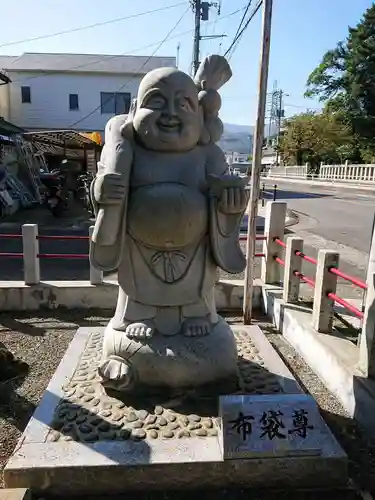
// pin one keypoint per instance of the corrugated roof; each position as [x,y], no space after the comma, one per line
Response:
[98,63]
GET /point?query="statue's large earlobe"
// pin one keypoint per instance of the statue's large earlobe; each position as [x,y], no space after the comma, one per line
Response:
[127,130]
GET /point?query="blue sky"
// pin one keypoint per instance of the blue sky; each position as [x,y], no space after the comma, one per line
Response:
[302,31]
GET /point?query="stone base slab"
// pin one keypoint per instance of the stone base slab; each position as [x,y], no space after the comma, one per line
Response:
[16,296]
[82,440]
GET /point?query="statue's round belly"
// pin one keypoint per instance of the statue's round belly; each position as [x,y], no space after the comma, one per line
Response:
[167,215]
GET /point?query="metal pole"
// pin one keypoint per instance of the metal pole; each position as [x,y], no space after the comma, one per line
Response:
[257,159]
[197,35]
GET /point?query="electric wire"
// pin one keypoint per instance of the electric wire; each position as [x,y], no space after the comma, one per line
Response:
[139,70]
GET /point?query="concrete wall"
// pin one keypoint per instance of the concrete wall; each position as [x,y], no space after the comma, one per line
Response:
[4,101]
[49,107]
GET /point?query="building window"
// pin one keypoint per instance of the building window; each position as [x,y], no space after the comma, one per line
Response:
[115,103]
[26,94]
[73,102]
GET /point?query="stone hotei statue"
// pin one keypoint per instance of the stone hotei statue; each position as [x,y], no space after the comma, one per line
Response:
[168,215]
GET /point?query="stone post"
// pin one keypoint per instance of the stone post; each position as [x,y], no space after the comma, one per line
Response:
[367,339]
[96,276]
[325,282]
[292,263]
[30,243]
[274,227]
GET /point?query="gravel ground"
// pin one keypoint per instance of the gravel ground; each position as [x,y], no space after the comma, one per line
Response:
[41,341]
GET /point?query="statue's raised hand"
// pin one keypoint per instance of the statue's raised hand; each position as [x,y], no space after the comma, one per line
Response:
[233,200]
[110,188]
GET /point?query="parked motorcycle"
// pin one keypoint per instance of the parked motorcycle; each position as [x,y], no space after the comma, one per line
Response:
[54,197]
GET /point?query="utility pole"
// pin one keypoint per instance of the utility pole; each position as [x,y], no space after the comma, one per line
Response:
[257,159]
[197,34]
[201,11]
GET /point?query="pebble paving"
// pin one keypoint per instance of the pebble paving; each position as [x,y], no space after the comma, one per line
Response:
[88,413]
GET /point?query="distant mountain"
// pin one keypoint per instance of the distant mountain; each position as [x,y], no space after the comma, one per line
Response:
[237,138]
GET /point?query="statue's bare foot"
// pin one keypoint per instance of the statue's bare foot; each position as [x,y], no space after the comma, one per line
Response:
[197,327]
[140,331]
[117,374]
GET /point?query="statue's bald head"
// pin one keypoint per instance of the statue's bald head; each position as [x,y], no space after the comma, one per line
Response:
[168,116]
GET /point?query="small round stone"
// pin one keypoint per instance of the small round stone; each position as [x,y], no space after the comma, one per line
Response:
[173,426]
[87,398]
[194,426]
[208,423]
[212,432]
[167,434]
[81,419]
[89,438]
[138,425]
[71,415]
[183,433]
[153,433]
[120,405]
[151,419]
[95,402]
[142,414]
[106,405]
[131,417]
[104,427]
[125,433]
[184,420]
[105,413]
[158,410]
[139,433]
[162,421]
[116,416]
[171,417]
[55,436]
[85,428]
[96,421]
[194,418]
[201,432]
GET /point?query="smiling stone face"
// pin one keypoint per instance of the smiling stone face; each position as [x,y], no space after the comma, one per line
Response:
[168,116]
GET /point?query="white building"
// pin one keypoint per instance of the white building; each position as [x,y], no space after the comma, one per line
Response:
[54,91]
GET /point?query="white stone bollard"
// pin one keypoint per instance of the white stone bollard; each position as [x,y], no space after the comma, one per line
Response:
[274,227]
[292,263]
[30,243]
[96,276]
[325,282]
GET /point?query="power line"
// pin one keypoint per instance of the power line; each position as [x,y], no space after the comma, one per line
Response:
[129,80]
[89,26]
[241,22]
[233,46]
[108,58]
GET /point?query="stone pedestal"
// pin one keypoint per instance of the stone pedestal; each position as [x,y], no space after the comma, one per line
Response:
[84,440]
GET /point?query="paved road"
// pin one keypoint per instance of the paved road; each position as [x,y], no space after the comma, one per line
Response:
[332,218]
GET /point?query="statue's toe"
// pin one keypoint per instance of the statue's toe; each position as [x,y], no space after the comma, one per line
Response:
[139,331]
[196,328]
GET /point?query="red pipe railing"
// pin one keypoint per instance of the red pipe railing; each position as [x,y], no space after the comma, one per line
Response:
[355,281]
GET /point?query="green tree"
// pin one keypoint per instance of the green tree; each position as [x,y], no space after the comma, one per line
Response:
[344,81]
[314,138]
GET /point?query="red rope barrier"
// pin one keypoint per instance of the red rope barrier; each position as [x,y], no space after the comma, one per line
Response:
[304,278]
[62,237]
[306,257]
[279,242]
[280,261]
[259,255]
[345,304]
[354,281]
[243,237]
[62,256]
[13,254]
[10,236]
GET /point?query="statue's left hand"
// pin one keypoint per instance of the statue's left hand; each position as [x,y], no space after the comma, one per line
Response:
[233,200]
